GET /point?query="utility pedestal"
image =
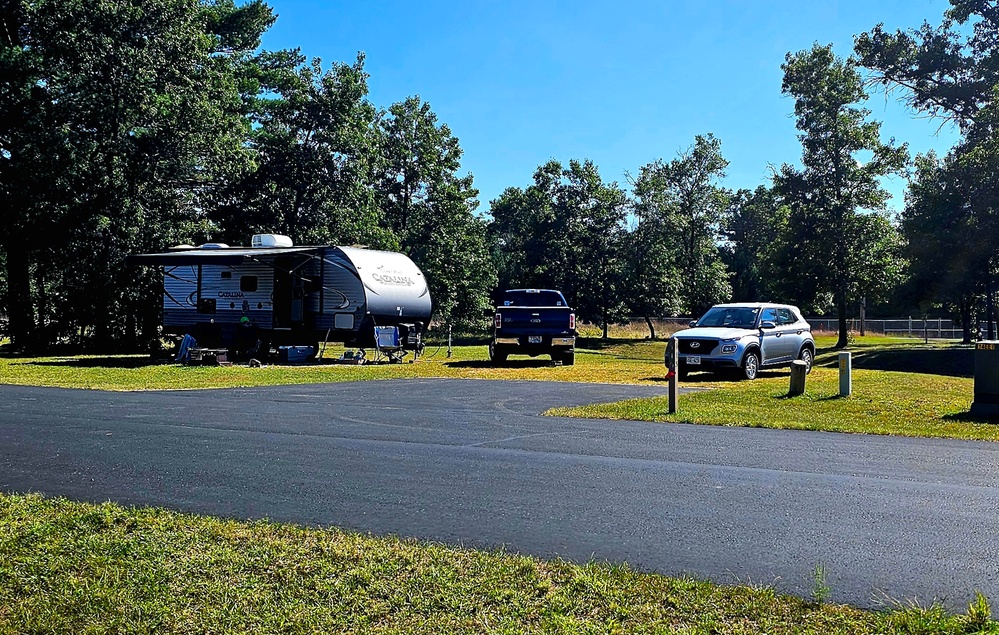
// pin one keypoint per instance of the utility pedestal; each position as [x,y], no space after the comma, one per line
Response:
[845,374]
[798,371]
[986,404]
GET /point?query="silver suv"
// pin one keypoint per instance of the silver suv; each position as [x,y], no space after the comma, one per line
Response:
[745,337]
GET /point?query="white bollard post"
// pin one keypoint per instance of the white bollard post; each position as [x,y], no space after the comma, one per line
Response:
[845,374]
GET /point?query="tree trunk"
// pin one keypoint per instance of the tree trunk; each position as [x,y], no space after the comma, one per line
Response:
[966,320]
[843,340]
[19,306]
[652,327]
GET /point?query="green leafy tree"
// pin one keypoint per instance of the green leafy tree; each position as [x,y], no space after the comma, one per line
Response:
[566,232]
[431,209]
[951,71]
[832,245]
[127,113]
[679,208]
[755,226]
[947,244]
[654,279]
[316,149]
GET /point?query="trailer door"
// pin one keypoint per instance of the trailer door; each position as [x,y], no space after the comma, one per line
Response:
[289,296]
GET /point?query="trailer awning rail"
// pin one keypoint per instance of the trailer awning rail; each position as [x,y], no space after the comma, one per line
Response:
[221,256]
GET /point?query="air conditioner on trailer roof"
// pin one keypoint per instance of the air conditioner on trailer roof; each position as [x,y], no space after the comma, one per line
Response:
[270,240]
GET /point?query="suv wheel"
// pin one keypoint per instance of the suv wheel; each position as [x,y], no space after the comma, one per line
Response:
[751,365]
[806,356]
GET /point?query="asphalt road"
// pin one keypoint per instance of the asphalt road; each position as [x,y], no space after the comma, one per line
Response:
[471,462]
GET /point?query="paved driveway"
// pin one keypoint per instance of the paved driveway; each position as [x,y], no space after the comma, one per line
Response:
[471,462]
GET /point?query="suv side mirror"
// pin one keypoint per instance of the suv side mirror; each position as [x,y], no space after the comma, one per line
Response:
[767,325]
[692,323]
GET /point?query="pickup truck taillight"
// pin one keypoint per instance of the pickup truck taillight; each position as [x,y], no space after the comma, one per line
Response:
[498,321]
[572,320]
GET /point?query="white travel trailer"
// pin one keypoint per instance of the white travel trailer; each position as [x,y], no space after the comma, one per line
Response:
[277,294]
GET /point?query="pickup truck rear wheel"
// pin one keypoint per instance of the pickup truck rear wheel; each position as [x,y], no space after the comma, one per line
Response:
[497,354]
[568,359]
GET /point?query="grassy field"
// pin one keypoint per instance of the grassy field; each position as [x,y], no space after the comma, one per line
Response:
[620,362]
[68,567]
[930,398]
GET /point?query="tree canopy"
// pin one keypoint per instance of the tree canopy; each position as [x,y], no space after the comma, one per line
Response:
[134,126]
[835,245]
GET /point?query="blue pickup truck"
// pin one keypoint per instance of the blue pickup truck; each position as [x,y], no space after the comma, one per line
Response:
[533,322]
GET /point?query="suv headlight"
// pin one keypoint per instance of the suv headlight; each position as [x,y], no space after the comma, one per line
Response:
[729,345]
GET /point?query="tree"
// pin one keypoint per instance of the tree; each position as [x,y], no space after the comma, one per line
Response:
[431,209]
[831,244]
[126,113]
[946,243]
[655,282]
[679,208]
[944,71]
[565,231]
[951,71]
[316,149]
[755,226]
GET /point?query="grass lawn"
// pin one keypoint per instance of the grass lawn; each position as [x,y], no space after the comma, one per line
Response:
[620,362]
[68,567]
[885,400]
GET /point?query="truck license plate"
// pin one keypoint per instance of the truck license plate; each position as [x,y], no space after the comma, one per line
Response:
[533,339]
[694,361]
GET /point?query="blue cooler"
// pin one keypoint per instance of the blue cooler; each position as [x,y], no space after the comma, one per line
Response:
[295,353]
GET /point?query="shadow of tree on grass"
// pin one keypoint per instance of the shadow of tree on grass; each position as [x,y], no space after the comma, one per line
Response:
[950,362]
[103,362]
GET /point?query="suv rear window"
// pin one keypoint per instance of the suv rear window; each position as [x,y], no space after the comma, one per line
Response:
[531,298]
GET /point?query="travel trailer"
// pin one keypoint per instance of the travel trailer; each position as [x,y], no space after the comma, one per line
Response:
[274,293]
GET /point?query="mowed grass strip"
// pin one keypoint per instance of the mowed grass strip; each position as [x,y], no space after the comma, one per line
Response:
[68,567]
[883,402]
[626,362]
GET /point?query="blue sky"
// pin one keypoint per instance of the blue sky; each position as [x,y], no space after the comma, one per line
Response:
[621,83]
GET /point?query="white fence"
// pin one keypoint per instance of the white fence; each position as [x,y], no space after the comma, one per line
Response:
[929,328]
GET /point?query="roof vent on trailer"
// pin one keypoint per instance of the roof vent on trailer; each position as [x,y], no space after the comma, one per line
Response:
[213,246]
[270,240]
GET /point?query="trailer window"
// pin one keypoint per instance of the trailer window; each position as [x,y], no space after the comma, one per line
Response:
[226,274]
[248,283]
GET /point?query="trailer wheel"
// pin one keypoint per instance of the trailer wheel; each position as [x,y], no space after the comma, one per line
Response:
[497,355]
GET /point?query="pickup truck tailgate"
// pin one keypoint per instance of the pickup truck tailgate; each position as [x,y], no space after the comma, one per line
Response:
[527,320]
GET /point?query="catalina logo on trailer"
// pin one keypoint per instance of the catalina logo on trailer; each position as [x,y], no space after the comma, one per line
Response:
[230,294]
[392,277]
